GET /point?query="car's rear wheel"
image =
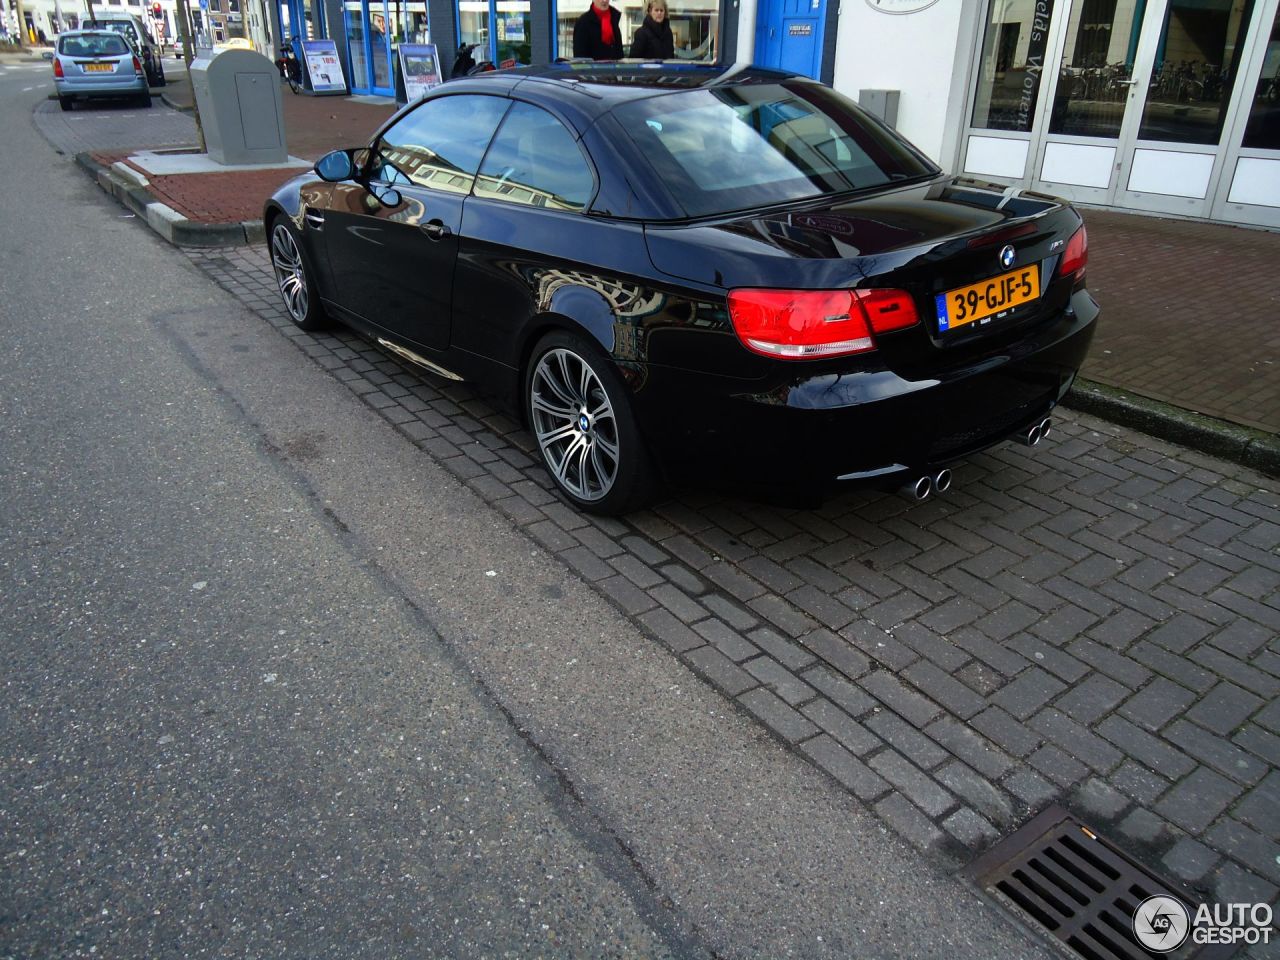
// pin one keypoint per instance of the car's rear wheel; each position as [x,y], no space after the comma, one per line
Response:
[144,100]
[66,103]
[580,414]
[293,278]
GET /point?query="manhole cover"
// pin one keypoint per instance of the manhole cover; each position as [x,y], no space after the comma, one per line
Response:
[1086,892]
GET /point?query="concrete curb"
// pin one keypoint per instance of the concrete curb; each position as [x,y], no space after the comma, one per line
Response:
[1256,449]
[130,189]
[174,105]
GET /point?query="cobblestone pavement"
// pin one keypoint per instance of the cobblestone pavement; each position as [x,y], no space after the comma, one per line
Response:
[111,126]
[1092,622]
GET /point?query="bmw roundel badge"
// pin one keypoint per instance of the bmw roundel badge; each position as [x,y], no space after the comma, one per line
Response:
[1007,256]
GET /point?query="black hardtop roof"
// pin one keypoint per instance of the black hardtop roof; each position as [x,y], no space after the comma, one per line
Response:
[582,91]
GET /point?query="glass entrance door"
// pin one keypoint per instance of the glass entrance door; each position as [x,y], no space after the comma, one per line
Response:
[1185,93]
[1139,101]
[369,46]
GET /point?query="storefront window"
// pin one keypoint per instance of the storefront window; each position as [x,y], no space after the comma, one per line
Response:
[512,28]
[694,24]
[1012,69]
[1097,62]
[408,21]
[1263,130]
[1195,70]
[473,26]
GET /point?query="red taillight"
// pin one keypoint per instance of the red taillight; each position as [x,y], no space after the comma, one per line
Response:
[809,324]
[887,309]
[137,65]
[57,68]
[1076,257]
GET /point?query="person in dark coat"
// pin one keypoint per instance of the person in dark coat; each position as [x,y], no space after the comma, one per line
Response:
[598,32]
[653,39]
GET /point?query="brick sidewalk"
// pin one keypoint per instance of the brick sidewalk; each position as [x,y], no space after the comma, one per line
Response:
[1189,314]
[211,197]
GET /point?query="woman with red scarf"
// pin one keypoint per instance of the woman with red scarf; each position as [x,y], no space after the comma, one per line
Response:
[597,33]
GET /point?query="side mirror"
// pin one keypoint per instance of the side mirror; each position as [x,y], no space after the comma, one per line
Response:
[47,55]
[335,167]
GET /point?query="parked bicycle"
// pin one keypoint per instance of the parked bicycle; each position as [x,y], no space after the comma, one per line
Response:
[290,65]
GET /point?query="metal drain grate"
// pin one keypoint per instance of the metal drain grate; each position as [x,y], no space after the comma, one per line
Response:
[1078,887]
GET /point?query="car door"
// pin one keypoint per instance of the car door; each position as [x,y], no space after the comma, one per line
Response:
[526,244]
[392,236]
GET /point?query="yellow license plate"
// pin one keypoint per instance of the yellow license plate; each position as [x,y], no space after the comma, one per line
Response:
[992,298]
[99,67]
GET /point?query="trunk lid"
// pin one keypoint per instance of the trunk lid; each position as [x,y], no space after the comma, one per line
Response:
[930,240]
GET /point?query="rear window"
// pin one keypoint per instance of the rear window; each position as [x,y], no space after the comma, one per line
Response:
[733,148]
[93,45]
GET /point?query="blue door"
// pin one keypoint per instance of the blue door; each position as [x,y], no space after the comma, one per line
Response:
[789,35]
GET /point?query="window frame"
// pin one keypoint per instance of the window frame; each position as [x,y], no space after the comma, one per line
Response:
[574,138]
[375,146]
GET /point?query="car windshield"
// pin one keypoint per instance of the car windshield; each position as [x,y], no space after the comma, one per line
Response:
[750,145]
[122,27]
[93,45]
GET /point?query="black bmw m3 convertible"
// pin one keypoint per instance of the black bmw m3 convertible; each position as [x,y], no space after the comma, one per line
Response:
[698,271]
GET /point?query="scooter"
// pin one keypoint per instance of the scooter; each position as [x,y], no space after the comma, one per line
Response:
[465,65]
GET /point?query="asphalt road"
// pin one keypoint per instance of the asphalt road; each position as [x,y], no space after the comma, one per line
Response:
[274,684]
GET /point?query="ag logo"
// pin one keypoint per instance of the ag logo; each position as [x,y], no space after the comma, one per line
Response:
[1161,923]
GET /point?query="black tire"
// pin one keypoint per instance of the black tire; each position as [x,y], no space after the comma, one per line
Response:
[295,277]
[589,444]
[144,101]
[67,103]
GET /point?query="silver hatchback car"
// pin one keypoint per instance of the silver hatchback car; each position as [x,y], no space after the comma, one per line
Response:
[97,63]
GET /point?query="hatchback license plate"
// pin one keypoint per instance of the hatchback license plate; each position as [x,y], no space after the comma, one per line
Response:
[99,67]
[979,302]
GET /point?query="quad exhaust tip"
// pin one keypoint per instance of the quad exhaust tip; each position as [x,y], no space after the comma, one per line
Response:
[926,485]
[1037,432]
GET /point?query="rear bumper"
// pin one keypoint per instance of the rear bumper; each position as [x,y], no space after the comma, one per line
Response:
[817,431]
[112,87]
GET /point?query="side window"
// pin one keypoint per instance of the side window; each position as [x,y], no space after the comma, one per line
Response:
[440,144]
[535,160]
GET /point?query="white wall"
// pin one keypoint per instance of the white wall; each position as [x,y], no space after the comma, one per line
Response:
[925,55]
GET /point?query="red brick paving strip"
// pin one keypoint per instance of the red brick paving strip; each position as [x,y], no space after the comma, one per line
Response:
[213,197]
[1189,314]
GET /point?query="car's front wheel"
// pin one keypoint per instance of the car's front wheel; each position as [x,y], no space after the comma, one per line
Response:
[294,280]
[581,417]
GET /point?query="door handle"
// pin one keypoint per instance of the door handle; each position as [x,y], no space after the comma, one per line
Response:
[1128,83]
[435,229]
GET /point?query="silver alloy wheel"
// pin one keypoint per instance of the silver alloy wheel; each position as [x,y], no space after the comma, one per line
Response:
[291,277]
[574,423]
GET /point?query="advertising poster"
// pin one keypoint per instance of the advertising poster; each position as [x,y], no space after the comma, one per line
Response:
[323,66]
[420,67]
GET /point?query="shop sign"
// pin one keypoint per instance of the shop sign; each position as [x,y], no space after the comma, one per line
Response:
[420,67]
[323,66]
[900,6]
